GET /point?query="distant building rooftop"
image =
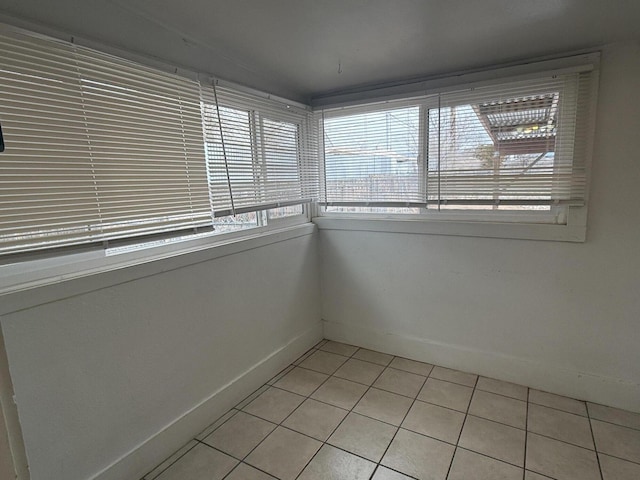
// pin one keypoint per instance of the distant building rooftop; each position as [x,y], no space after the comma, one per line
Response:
[521,125]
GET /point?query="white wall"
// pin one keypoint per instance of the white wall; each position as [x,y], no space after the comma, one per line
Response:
[99,375]
[559,316]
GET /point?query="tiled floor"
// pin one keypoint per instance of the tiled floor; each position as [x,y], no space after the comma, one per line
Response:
[340,412]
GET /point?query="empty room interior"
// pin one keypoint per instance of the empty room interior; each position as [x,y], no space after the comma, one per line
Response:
[319,239]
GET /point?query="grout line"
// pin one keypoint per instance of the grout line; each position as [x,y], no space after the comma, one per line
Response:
[251,397]
[341,421]
[309,398]
[300,433]
[369,387]
[215,425]
[364,458]
[378,464]
[376,363]
[398,427]
[169,466]
[437,405]
[456,383]
[235,458]
[443,406]
[356,413]
[390,391]
[607,421]
[347,359]
[288,368]
[561,441]
[280,424]
[475,381]
[403,418]
[281,374]
[615,424]
[539,474]
[503,395]
[250,466]
[304,356]
[405,371]
[586,417]
[505,424]
[558,409]
[363,414]
[458,447]
[373,474]
[320,343]
[595,447]
[388,365]
[466,415]
[534,433]
[343,354]
[618,458]
[320,371]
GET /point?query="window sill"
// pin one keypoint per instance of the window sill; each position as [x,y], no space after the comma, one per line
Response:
[21,285]
[487,229]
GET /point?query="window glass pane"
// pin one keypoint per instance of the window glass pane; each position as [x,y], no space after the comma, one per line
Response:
[239,166]
[98,148]
[234,223]
[281,168]
[283,212]
[378,210]
[481,154]
[373,157]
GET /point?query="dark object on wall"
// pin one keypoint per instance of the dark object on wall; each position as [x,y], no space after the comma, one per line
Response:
[1,140]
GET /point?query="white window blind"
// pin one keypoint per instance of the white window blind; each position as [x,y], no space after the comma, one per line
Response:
[259,151]
[519,143]
[97,148]
[46,176]
[147,147]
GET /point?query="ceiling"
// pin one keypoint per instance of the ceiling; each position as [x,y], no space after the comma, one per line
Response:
[305,48]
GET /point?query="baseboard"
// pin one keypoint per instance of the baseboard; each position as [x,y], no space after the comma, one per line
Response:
[542,375]
[154,450]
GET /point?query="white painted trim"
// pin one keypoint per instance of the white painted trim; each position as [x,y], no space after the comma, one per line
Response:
[519,231]
[154,450]
[579,62]
[13,456]
[26,291]
[541,375]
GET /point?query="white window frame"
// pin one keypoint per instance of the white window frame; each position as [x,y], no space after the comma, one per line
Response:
[30,269]
[561,223]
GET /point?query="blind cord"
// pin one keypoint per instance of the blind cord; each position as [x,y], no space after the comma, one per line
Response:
[224,149]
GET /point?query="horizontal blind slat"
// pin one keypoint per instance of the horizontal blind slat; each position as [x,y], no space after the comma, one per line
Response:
[517,142]
[97,147]
[259,160]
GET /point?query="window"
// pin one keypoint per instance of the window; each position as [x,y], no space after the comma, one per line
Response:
[257,157]
[262,168]
[372,159]
[100,149]
[516,147]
